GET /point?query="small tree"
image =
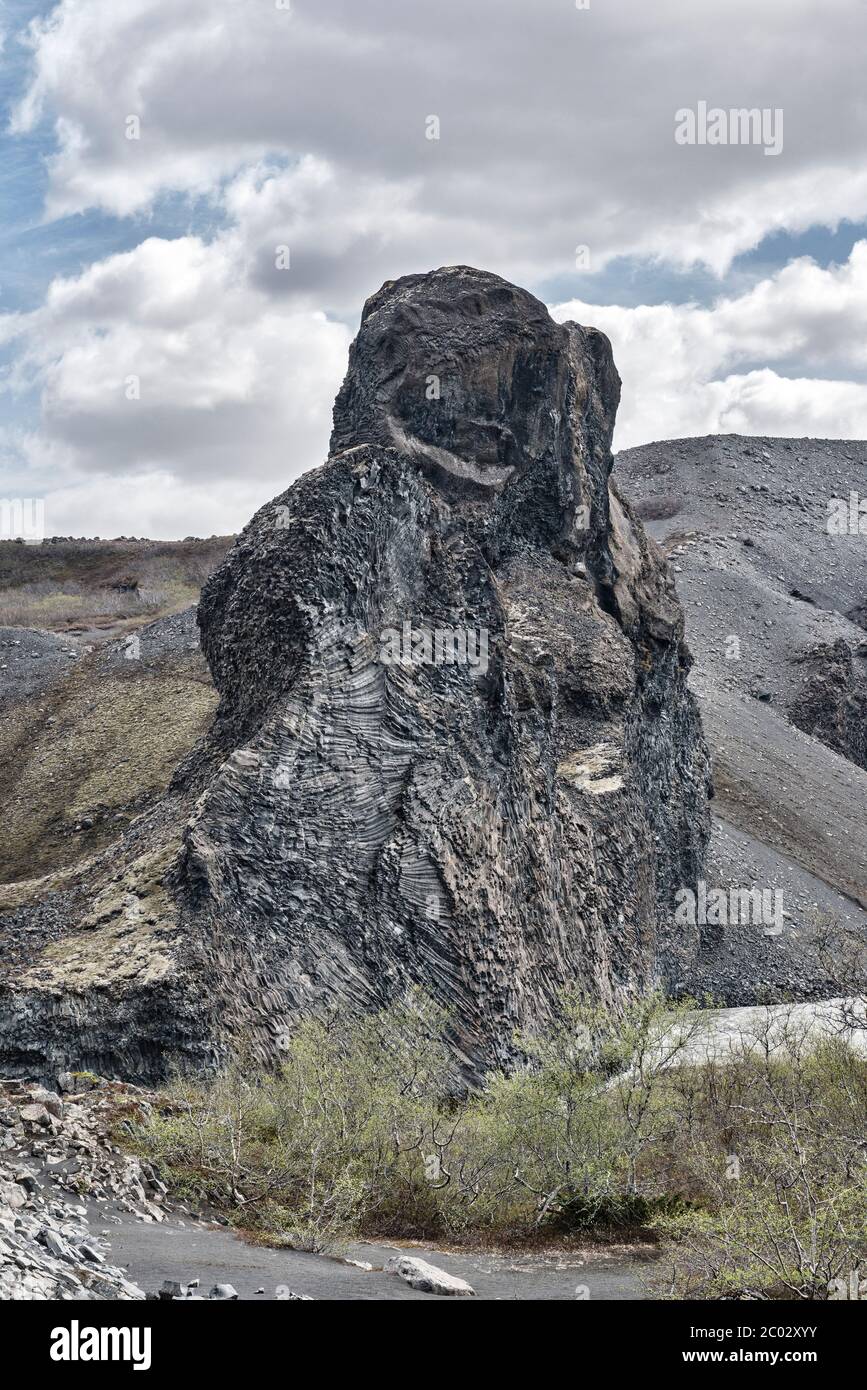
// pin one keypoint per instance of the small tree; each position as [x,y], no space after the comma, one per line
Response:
[775,1139]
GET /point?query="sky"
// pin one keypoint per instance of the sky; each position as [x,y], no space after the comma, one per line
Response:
[196,198]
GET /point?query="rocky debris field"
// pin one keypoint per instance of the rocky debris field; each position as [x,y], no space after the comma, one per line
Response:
[58,1164]
[742,965]
[775,601]
[31,660]
[169,639]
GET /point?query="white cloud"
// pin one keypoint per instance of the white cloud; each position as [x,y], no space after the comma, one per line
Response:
[557,124]
[165,370]
[306,129]
[679,363]
[237,385]
[158,506]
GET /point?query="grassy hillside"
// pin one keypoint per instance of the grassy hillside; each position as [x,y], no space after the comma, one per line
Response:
[103,689]
[88,753]
[92,587]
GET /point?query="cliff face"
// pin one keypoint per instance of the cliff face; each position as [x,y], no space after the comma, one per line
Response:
[454,745]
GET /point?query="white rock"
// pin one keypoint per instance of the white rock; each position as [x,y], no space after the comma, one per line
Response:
[12,1196]
[427,1278]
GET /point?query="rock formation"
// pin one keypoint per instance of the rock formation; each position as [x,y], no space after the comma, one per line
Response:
[454,747]
[831,703]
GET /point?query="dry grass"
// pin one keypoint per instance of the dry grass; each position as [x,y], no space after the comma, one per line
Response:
[84,586]
[113,745]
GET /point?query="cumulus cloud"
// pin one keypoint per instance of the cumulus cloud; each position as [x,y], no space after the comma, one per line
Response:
[166,367]
[556,124]
[184,381]
[233,385]
[686,368]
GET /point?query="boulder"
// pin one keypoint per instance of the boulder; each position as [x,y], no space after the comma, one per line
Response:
[12,1196]
[170,1289]
[34,1114]
[428,1278]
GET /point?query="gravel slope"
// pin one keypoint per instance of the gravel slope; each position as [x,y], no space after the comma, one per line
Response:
[775,609]
[90,735]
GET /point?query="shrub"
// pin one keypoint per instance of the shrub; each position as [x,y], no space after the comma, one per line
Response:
[775,1139]
[750,1173]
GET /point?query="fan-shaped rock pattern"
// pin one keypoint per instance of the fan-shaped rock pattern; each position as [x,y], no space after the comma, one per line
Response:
[455,747]
[488,828]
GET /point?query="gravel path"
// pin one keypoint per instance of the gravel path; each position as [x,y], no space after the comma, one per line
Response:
[171,1250]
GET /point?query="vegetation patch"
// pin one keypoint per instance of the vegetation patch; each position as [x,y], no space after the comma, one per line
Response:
[748,1174]
[80,586]
[81,760]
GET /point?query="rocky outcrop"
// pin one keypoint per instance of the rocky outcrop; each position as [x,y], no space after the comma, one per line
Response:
[489,827]
[831,702]
[454,747]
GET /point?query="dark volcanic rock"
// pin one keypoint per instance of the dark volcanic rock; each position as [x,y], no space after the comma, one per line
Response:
[491,830]
[831,704]
[455,747]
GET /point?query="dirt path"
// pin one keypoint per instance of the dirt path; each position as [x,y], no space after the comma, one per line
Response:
[170,1250]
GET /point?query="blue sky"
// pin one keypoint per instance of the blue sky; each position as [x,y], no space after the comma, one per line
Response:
[733,285]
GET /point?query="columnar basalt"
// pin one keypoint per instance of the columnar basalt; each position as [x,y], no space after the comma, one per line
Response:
[369,814]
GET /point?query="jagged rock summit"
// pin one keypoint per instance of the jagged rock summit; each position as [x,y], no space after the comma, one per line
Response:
[454,747]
